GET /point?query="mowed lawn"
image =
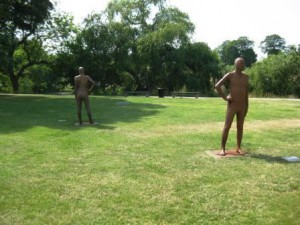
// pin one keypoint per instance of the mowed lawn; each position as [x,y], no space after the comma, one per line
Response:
[145,162]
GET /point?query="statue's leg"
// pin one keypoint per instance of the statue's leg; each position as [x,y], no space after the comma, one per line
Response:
[240,127]
[88,109]
[229,118]
[79,107]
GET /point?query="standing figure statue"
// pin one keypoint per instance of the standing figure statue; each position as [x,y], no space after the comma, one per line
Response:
[83,86]
[237,102]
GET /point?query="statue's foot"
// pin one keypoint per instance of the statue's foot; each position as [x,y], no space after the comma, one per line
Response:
[238,151]
[222,153]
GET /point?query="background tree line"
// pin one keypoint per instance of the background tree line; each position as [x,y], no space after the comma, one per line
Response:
[129,47]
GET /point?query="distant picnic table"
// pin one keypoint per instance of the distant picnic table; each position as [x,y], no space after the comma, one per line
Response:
[137,93]
[185,94]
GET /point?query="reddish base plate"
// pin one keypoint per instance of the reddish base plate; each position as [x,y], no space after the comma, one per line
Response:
[229,154]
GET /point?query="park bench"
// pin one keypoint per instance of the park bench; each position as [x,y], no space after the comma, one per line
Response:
[186,94]
[137,93]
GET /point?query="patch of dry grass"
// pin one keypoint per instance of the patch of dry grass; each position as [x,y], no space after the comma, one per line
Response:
[210,127]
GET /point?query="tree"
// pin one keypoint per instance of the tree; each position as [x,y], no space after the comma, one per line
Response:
[273,44]
[278,75]
[242,47]
[203,65]
[19,22]
[245,48]
[105,49]
[157,38]
[159,48]
[228,52]
[129,46]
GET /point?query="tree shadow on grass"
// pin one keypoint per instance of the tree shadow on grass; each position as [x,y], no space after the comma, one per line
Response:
[271,159]
[22,112]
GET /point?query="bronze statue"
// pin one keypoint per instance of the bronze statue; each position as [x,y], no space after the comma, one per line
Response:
[82,91]
[237,102]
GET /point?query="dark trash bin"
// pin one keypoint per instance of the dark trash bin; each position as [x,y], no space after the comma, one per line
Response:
[161,92]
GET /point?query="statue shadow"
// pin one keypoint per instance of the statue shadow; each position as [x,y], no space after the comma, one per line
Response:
[22,112]
[270,158]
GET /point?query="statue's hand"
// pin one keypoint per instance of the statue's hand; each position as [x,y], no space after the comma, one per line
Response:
[229,98]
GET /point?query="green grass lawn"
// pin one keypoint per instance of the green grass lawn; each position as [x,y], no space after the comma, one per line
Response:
[146,162]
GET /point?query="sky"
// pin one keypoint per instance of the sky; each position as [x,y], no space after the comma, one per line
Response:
[219,20]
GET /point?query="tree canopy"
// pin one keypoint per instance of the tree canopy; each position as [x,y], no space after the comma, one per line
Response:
[276,75]
[129,47]
[242,47]
[273,44]
[19,21]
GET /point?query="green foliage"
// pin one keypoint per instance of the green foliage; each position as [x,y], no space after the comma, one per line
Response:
[44,81]
[273,44]
[127,43]
[26,15]
[5,85]
[129,46]
[157,42]
[277,75]
[32,68]
[242,47]
[19,22]
[204,68]
[26,85]
[128,81]
[58,32]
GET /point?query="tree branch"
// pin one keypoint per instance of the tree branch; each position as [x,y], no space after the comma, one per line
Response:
[24,39]
[30,64]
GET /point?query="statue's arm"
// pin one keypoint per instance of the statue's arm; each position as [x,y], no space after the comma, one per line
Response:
[92,84]
[219,85]
[247,96]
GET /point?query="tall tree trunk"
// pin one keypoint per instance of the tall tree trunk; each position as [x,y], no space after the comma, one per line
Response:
[15,83]
[13,78]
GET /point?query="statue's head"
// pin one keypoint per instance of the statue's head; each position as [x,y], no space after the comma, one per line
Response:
[239,64]
[81,70]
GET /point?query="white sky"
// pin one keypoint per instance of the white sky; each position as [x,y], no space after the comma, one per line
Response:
[220,20]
